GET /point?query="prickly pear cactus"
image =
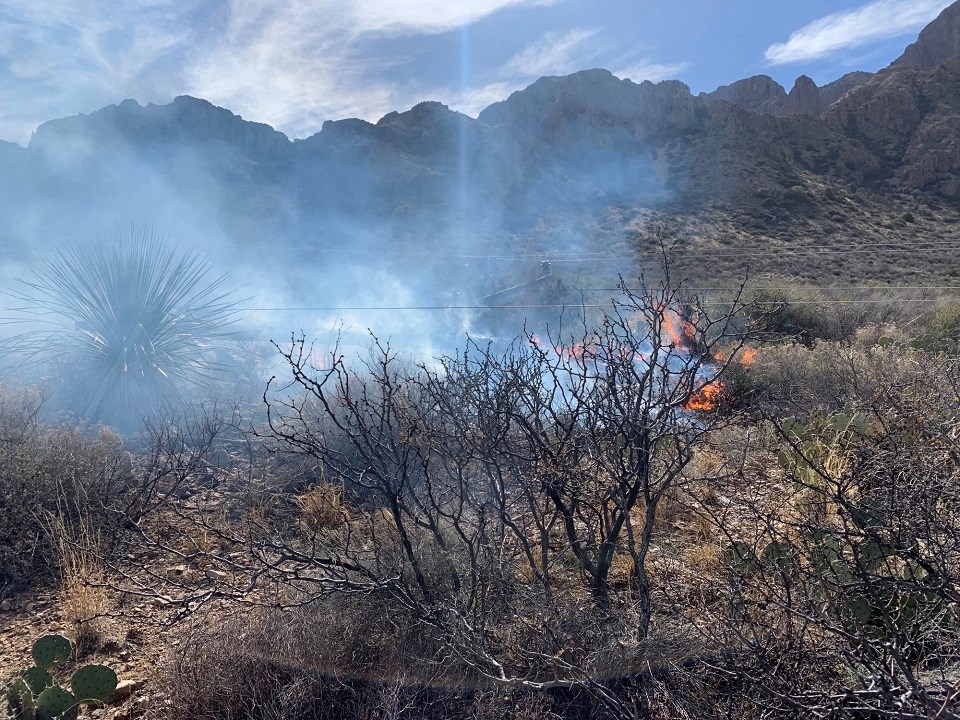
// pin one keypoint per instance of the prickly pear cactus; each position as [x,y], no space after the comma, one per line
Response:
[19,700]
[51,650]
[94,682]
[33,694]
[55,703]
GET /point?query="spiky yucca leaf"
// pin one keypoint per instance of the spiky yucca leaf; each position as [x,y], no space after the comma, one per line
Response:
[133,321]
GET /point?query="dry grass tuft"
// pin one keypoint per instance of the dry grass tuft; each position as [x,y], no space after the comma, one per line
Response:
[84,602]
[322,508]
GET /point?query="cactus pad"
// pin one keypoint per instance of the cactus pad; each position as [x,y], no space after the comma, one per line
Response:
[55,702]
[94,682]
[777,555]
[860,610]
[37,679]
[51,650]
[20,699]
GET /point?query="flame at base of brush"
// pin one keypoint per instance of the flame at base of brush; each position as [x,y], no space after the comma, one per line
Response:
[706,398]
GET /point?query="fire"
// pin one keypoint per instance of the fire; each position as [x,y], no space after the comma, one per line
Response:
[747,355]
[707,398]
[677,329]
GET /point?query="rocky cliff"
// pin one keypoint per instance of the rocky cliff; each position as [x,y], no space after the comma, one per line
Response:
[571,147]
[938,42]
[763,94]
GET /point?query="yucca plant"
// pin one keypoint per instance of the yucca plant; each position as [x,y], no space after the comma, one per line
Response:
[124,324]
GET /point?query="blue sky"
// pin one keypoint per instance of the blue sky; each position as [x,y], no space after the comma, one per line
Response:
[295,63]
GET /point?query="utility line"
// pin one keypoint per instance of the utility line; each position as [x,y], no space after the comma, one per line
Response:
[381,308]
[792,288]
[576,257]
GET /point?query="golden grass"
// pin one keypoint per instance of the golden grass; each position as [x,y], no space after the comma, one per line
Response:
[84,602]
[322,508]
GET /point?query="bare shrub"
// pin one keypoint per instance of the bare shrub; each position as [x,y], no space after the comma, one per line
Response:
[842,587]
[65,472]
[488,523]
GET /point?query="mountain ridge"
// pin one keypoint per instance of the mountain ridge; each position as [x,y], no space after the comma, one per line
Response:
[561,153]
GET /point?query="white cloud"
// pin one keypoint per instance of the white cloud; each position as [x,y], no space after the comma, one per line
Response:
[553,54]
[474,101]
[654,72]
[294,63]
[838,31]
[291,63]
[68,56]
[422,16]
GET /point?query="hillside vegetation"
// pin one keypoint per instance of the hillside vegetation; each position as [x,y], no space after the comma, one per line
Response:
[688,504]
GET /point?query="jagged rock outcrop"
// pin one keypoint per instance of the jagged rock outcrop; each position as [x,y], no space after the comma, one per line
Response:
[185,120]
[909,119]
[760,93]
[804,98]
[564,108]
[938,42]
[831,92]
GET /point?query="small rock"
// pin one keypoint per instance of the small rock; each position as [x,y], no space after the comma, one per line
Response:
[6,606]
[98,713]
[124,655]
[126,688]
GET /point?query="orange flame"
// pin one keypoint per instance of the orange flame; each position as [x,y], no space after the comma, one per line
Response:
[680,331]
[706,398]
[747,355]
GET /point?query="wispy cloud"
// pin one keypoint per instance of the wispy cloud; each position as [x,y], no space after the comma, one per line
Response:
[652,71]
[553,54]
[848,29]
[67,56]
[471,102]
[421,16]
[292,63]
[557,54]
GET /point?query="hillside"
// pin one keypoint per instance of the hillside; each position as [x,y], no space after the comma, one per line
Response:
[584,162]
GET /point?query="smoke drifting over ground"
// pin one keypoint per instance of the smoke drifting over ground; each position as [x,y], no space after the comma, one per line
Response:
[400,229]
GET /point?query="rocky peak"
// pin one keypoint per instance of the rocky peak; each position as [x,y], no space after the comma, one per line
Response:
[831,92]
[763,94]
[425,128]
[804,98]
[760,93]
[938,42]
[570,105]
[186,119]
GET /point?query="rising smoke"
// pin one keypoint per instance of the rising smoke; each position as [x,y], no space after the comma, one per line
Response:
[336,235]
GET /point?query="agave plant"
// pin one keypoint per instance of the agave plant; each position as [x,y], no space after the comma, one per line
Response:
[125,324]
